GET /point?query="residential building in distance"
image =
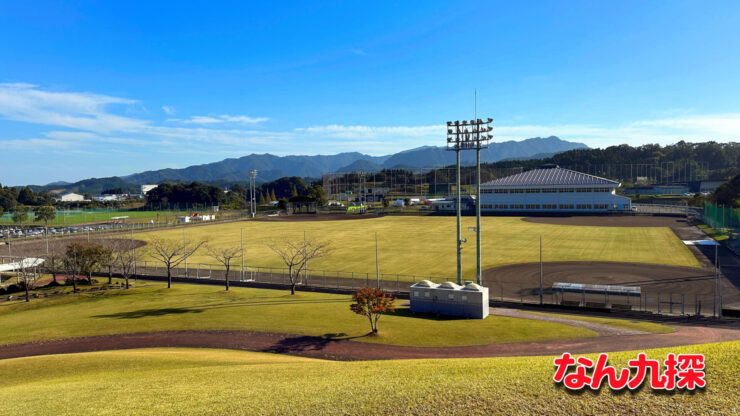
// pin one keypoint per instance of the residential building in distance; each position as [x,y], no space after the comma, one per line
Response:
[147,188]
[71,197]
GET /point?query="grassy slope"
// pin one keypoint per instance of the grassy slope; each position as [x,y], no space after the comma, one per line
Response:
[156,308]
[621,323]
[425,245]
[170,381]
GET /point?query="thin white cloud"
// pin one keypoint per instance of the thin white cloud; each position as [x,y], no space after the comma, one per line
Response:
[86,121]
[369,132]
[718,127]
[169,110]
[224,118]
[243,119]
[73,135]
[359,52]
[83,111]
[34,145]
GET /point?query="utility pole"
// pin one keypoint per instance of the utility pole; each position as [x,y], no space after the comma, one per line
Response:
[305,271]
[540,269]
[133,248]
[242,241]
[717,306]
[716,250]
[377,265]
[252,190]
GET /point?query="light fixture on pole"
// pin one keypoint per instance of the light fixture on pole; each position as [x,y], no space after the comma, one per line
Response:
[468,135]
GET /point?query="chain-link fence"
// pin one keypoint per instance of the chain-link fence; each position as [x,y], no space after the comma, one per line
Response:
[724,220]
[704,302]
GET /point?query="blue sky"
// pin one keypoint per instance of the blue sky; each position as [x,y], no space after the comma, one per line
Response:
[92,89]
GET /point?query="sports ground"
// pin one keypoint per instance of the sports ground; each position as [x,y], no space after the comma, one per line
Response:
[276,353]
[425,246]
[200,349]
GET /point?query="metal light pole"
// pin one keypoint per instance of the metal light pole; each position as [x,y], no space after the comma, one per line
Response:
[361,191]
[184,245]
[540,269]
[716,277]
[377,265]
[252,190]
[454,139]
[473,135]
[133,248]
[242,241]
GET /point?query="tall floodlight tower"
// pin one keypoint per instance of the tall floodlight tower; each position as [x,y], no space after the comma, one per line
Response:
[252,191]
[455,136]
[472,135]
[481,136]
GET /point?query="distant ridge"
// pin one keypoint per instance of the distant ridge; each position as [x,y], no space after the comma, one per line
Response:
[272,167]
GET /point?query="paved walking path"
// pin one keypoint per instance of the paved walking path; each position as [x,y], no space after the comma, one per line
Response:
[346,350]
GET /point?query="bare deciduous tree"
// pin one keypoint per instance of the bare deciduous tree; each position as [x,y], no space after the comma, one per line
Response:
[54,258]
[108,256]
[25,274]
[296,254]
[72,263]
[172,252]
[124,258]
[224,256]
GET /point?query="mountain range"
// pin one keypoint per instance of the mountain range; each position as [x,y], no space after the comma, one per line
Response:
[271,167]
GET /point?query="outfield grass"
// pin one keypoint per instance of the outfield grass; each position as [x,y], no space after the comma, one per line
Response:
[619,323]
[426,245]
[204,307]
[217,382]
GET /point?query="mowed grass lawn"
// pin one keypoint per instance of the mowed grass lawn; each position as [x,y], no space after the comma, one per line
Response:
[204,307]
[81,217]
[426,245]
[218,382]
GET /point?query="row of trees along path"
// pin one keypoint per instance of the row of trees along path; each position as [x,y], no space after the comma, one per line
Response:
[85,258]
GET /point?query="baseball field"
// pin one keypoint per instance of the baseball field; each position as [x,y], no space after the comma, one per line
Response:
[426,245]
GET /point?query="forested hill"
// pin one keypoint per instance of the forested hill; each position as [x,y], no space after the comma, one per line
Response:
[271,167]
[710,160]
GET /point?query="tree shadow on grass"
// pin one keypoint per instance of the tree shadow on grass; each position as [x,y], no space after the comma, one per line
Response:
[144,313]
[308,343]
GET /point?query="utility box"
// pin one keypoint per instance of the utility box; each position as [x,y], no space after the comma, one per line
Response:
[470,301]
[423,297]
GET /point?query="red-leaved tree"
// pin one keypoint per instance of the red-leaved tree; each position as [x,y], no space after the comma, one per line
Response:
[372,303]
